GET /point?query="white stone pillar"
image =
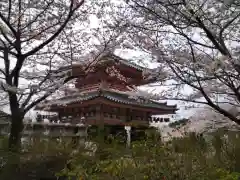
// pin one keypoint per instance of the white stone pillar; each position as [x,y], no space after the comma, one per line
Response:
[128,130]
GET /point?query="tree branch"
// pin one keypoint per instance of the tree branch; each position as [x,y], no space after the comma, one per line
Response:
[71,12]
[8,24]
[9,10]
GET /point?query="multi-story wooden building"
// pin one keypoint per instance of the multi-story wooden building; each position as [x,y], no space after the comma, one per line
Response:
[106,96]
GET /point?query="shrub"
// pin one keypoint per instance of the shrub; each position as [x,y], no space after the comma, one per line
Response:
[188,158]
[193,157]
[40,160]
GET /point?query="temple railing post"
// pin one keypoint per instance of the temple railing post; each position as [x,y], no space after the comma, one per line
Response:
[128,130]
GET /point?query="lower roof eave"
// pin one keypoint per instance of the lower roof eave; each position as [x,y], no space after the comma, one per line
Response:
[105,101]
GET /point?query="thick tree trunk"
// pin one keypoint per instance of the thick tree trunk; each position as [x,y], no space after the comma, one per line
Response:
[16,132]
[17,116]
[14,144]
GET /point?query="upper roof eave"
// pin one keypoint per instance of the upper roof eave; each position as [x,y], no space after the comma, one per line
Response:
[111,57]
[126,62]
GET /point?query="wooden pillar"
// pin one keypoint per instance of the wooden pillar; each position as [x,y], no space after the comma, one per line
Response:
[99,121]
[127,115]
[81,112]
[99,115]
[145,118]
[59,114]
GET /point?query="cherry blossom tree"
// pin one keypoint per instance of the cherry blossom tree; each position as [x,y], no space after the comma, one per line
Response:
[37,39]
[206,119]
[196,44]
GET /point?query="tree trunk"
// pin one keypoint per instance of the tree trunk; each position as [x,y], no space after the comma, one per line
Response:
[16,132]
[14,145]
[17,116]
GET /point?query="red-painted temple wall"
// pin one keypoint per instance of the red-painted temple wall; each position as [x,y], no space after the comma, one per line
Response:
[117,81]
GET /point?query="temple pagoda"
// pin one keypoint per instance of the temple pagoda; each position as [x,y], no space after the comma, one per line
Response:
[106,95]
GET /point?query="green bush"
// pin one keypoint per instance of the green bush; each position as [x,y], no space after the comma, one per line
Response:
[39,160]
[194,157]
[189,158]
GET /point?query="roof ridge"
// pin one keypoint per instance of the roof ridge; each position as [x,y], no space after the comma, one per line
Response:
[126,62]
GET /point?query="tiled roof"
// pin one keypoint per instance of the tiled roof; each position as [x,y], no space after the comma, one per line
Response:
[125,62]
[110,57]
[112,96]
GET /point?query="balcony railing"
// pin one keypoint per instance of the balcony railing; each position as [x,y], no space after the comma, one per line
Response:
[80,118]
[49,129]
[157,119]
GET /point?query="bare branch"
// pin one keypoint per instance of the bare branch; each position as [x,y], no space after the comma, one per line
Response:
[70,14]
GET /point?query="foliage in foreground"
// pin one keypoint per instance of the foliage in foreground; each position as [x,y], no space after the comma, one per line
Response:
[189,158]
[38,160]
